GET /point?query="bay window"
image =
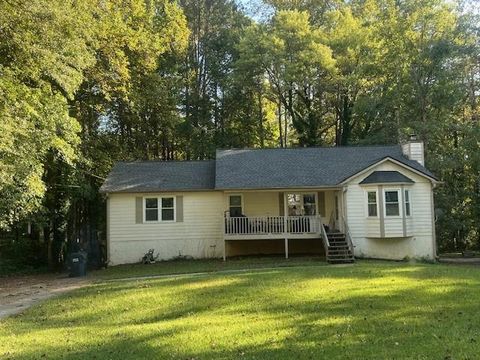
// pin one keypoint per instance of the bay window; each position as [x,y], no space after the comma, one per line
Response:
[372,204]
[407,203]
[392,205]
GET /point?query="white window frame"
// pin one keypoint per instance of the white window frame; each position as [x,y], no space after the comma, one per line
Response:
[376,203]
[159,209]
[400,202]
[409,202]
[241,202]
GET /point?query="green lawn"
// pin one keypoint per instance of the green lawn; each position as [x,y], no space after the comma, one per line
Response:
[372,310]
[207,265]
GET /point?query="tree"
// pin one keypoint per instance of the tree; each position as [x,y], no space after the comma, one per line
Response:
[299,68]
[215,105]
[41,67]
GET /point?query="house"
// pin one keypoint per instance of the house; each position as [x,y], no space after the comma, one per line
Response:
[366,201]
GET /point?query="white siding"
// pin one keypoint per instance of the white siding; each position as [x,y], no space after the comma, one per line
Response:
[199,235]
[419,242]
[373,227]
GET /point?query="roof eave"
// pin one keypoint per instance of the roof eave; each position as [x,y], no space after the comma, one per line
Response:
[388,158]
[387,183]
[280,188]
[153,191]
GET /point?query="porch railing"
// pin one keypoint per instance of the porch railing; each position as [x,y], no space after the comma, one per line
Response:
[348,235]
[266,225]
[326,243]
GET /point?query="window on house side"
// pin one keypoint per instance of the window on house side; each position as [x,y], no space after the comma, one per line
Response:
[168,209]
[407,203]
[372,203]
[392,207]
[159,209]
[235,205]
[309,204]
[151,209]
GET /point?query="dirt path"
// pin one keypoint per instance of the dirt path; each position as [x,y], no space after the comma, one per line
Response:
[19,293]
[460,260]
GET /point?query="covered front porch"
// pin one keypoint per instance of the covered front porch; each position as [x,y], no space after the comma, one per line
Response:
[290,221]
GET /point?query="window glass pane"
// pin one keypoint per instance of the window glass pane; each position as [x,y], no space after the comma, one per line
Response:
[293,199]
[151,215]
[309,199]
[407,202]
[294,202]
[167,202]
[167,214]
[310,209]
[392,209]
[235,211]
[391,196]
[372,203]
[151,203]
[236,200]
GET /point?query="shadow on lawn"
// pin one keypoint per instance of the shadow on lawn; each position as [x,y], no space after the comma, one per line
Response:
[365,317]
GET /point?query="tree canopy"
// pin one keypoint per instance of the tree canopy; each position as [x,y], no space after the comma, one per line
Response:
[86,83]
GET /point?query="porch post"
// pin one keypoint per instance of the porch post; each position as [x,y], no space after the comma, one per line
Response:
[285,222]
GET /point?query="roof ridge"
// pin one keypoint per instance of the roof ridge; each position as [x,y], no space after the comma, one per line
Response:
[162,161]
[311,147]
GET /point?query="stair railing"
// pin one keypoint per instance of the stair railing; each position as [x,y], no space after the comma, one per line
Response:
[326,243]
[348,236]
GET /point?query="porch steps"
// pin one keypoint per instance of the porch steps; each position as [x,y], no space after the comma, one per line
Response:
[339,251]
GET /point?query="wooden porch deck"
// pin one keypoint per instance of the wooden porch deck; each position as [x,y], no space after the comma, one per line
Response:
[288,228]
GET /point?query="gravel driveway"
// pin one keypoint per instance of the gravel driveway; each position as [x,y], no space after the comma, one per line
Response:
[19,293]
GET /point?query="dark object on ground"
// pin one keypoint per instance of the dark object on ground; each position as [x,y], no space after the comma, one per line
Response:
[468,254]
[149,257]
[78,264]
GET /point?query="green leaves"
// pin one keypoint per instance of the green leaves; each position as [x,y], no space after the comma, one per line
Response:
[61,59]
[87,83]
[293,56]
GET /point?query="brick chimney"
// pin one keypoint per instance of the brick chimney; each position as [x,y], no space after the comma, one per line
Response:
[413,149]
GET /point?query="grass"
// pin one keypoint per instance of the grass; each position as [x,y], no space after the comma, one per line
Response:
[371,310]
[204,265]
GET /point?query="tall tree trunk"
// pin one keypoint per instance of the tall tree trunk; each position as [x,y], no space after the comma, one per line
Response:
[260,121]
[280,125]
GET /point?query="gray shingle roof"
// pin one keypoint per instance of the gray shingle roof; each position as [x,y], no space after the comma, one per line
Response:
[383,177]
[147,176]
[300,167]
[254,169]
